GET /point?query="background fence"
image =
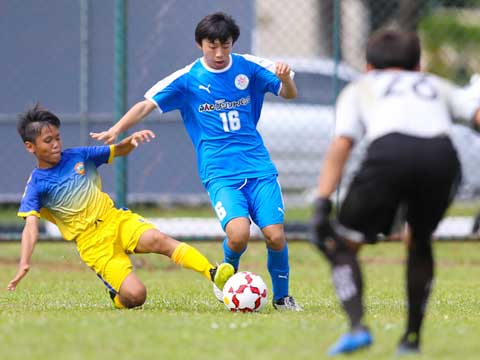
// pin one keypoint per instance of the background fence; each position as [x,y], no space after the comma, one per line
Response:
[63,54]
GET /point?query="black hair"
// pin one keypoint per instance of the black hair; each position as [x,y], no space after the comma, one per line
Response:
[217,26]
[393,48]
[33,120]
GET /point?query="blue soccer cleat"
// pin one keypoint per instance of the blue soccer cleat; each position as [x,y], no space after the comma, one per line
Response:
[351,341]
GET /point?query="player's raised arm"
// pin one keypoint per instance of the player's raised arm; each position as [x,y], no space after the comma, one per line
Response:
[29,239]
[125,146]
[136,113]
[289,89]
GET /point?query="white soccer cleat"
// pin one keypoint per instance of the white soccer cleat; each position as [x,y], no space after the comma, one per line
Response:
[218,293]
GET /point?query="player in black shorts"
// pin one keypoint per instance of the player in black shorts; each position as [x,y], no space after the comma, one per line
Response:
[405,115]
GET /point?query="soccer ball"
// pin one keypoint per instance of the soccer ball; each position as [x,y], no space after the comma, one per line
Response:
[245,292]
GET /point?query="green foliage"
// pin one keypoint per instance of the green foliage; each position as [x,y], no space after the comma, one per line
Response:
[61,310]
[451,43]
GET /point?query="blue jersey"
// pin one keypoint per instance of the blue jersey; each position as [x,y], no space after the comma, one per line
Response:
[220,110]
[69,194]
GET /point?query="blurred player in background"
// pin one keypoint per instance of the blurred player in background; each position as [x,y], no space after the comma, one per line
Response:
[220,97]
[65,188]
[405,116]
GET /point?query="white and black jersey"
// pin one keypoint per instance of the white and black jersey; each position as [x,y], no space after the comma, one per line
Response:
[406,102]
[406,118]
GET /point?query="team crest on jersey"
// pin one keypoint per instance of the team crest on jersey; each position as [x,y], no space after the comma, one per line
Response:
[80,168]
[241,81]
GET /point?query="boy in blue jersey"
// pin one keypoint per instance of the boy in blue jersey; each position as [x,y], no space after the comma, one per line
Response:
[65,188]
[220,97]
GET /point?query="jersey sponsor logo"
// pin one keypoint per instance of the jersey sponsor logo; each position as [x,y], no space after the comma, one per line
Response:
[206,88]
[241,81]
[80,168]
[224,105]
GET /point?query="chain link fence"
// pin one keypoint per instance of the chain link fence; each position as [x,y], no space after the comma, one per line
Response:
[63,54]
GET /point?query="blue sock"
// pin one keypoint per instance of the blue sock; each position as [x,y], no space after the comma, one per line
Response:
[230,256]
[278,267]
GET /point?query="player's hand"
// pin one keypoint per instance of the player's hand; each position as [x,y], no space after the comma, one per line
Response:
[282,71]
[320,223]
[142,136]
[108,137]
[22,271]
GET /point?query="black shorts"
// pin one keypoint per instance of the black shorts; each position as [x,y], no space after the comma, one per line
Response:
[419,174]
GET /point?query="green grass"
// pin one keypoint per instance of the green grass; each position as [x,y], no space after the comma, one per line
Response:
[61,311]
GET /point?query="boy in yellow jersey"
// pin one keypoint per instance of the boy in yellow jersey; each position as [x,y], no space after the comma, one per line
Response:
[65,188]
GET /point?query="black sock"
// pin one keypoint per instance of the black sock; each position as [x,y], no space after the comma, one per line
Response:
[347,279]
[419,282]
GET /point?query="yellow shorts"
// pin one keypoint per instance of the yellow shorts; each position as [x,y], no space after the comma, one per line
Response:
[105,246]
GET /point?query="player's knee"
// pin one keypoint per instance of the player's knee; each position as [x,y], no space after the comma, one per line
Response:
[338,241]
[238,233]
[163,244]
[154,241]
[133,296]
[238,244]
[238,240]
[276,241]
[135,300]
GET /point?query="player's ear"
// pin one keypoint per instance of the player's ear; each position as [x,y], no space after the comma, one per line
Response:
[369,67]
[30,147]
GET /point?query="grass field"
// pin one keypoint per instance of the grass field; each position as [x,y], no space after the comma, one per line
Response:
[61,311]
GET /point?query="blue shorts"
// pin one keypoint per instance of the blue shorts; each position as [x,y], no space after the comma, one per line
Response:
[257,198]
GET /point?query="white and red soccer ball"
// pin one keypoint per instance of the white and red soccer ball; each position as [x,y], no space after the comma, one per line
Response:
[245,292]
